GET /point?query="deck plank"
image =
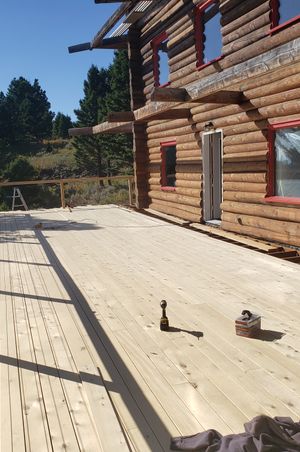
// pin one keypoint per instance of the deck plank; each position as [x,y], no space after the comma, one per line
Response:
[81,305]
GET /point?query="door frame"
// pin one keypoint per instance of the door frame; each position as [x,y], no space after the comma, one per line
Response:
[211,132]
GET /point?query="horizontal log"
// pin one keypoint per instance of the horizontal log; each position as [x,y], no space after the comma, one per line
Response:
[174,198]
[181,128]
[248,38]
[265,211]
[244,167]
[80,131]
[250,137]
[244,196]
[264,91]
[188,183]
[181,95]
[244,177]
[249,147]
[255,156]
[265,45]
[245,187]
[179,213]
[260,233]
[247,29]
[245,127]
[188,191]
[241,9]
[189,59]
[120,116]
[188,176]
[192,146]
[245,18]
[189,169]
[285,228]
[191,209]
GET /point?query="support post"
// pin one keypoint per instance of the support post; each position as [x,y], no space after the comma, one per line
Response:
[62,194]
[130,192]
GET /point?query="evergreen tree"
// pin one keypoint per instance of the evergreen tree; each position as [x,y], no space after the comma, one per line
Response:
[89,149]
[61,124]
[104,91]
[118,152]
[29,111]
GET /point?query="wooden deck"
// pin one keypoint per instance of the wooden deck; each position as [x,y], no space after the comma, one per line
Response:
[84,366]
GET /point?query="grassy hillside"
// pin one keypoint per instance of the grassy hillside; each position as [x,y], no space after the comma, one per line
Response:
[55,160]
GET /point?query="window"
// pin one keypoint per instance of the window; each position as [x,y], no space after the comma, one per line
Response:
[168,165]
[284,171]
[284,12]
[161,60]
[208,33]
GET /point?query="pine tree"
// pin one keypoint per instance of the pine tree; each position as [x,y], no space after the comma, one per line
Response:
[30,111]
[89,149]
[119,146]
[61,124]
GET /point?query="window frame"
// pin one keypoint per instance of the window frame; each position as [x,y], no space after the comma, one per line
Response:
[163,179]
[155,44]
[275,26]
[271,183]
[199,33]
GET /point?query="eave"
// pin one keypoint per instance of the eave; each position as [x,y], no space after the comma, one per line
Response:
[105,127]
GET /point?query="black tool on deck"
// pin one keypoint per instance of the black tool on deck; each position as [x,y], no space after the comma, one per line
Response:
[164,321]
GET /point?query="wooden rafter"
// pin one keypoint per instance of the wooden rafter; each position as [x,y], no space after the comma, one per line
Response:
[117,127]
[182,95]
[76,131]
[116,42]
[178,113]
[111,22]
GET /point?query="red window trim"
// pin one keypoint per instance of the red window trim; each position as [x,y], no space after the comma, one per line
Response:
[275,27]
[270,196]
[163,180]
[199,31]
[155,43]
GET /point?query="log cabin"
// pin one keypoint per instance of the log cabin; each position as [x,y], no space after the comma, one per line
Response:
[215,110]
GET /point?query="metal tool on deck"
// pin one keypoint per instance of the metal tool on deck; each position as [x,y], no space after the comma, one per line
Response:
[164,321]
[248,324]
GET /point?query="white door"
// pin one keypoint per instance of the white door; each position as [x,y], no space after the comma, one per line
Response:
[212,175]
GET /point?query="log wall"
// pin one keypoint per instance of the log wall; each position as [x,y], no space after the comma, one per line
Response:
[245,27]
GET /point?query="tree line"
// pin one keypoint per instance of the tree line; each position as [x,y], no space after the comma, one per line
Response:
[26,120]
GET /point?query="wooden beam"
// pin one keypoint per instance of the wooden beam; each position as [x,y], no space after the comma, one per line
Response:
[116,42]
[181,95]
[158,110]
[125,116]
[117,127]
[110,23]
[222,97]
[80,47]
[168,95]
[178,113]
[77,131]
[120,116]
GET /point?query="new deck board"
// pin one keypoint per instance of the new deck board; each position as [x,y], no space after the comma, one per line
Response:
[84,365]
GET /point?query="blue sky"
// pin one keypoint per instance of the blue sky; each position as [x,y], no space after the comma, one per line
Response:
[34,37]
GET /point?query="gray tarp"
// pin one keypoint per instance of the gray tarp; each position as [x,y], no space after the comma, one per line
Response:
[262,434]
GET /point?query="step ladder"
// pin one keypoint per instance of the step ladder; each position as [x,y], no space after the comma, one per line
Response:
[18,195]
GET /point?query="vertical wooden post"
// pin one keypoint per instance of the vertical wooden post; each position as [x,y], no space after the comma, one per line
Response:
[130,192]
[62,194]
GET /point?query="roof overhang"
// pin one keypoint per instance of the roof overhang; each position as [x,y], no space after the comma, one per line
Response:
[132,10]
